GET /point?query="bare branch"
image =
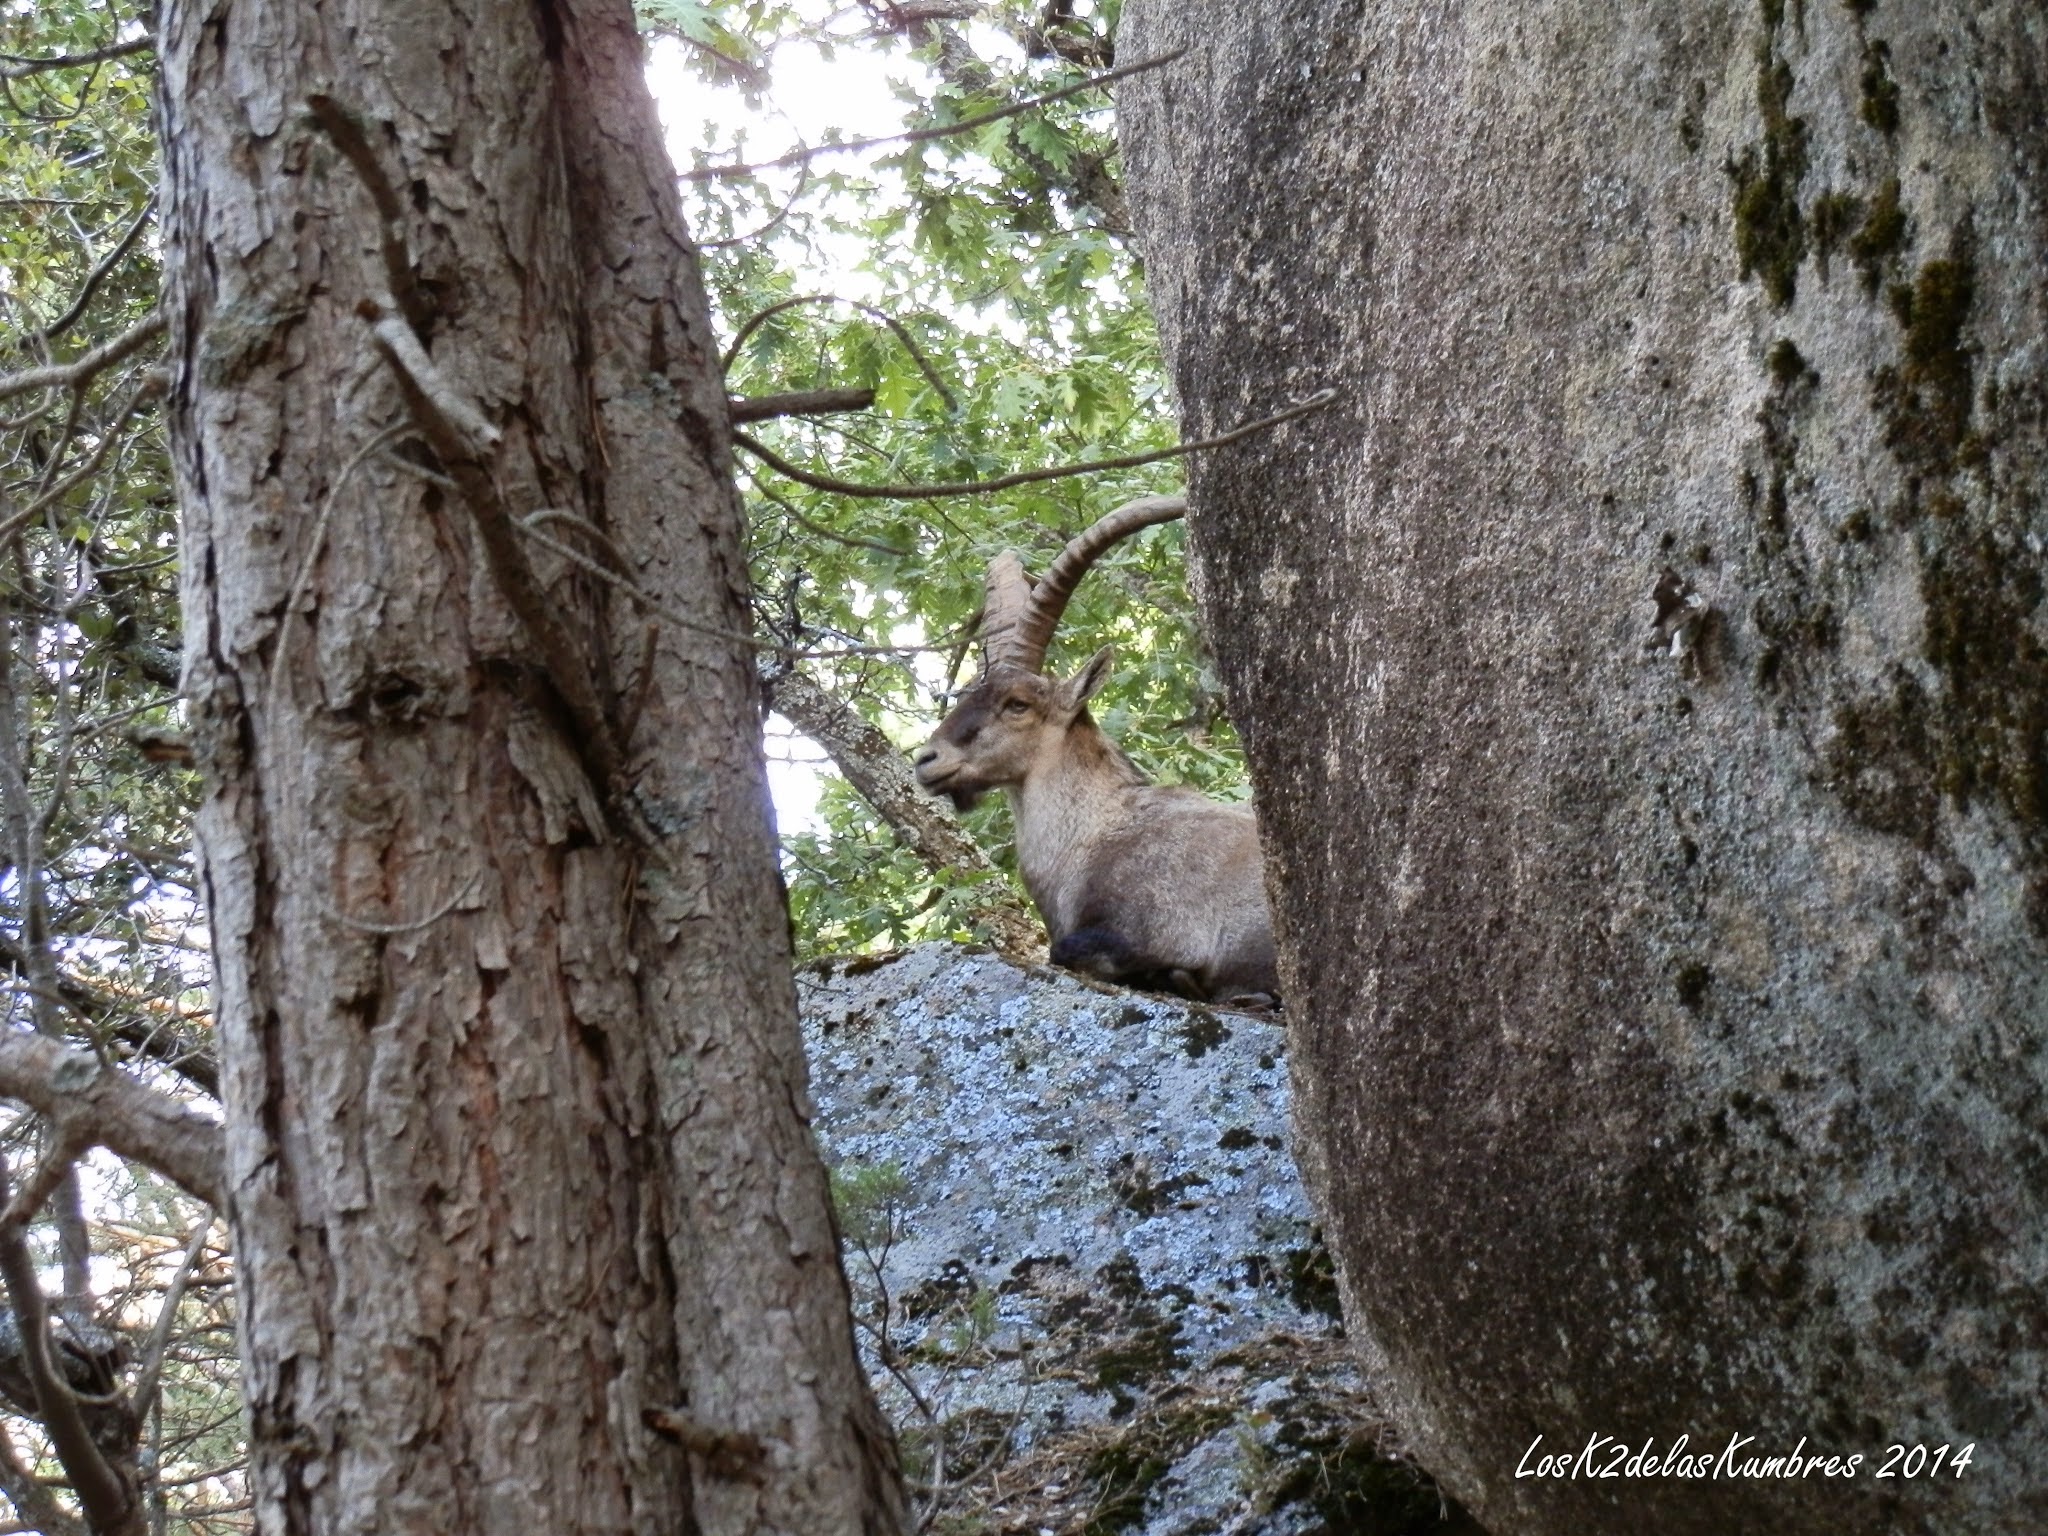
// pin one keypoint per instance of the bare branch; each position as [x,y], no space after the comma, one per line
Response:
[150,1371]
[782,466]
[924,364]
[876,767]
[66,1143]
[345,129]
[80,369]
[924,135]
[31,1498]
[111,1508]
[803,402]
[145,1024]
[116,1112]
[19,66]
[401,347]
[457,432]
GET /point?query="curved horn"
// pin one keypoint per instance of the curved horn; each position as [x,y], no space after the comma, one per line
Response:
[1006,601]
[1048,600]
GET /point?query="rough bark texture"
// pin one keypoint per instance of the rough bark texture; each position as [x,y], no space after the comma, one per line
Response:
[517,1144]
[1645,684]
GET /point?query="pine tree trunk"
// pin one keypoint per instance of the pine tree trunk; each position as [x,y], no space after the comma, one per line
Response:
[518,1144]
[1645,680]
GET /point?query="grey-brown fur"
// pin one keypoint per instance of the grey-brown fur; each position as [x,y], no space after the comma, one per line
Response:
[1137,882]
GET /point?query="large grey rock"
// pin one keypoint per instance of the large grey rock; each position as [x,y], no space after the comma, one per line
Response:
[1644,675]
[1080,1207]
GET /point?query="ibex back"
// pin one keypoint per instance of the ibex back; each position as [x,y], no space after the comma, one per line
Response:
[1137,882]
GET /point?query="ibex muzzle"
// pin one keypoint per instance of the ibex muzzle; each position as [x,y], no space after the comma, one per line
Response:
[1141,883]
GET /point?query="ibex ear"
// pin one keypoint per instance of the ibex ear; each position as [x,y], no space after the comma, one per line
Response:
[1081,688]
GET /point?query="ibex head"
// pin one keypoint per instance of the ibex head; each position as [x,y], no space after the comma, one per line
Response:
[1014,715]
[1001,725]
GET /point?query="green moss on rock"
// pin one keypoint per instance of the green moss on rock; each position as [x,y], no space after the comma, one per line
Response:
[1312,1279]
[1786,363]
[1691,983]
[1882,236]
[1126,1470]
[1880,106]
[1978,740]
[1876,761]
[1770,231]
[1833,218]
[1202,1031]
[1981,597]
[1926,397]
[1355,1487]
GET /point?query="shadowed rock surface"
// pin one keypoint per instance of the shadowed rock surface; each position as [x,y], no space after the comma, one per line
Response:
[1643,672]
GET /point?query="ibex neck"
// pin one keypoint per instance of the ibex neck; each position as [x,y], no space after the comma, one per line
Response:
[1075,790]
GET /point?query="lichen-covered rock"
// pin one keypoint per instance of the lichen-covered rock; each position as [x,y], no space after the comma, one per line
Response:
[1074,1230]
[1643,668]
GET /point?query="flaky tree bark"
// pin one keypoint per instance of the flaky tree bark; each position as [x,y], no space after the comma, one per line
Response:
[1646,686]
[517,1148]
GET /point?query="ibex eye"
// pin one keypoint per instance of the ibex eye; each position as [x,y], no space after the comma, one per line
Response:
[1016,706]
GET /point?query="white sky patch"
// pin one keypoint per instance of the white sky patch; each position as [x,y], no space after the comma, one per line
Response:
[813,99]
[794,765]
[854,95]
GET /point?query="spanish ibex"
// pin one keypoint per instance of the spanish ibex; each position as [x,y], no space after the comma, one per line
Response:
[1142,883]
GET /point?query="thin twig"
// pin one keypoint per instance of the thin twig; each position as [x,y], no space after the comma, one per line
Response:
[305,573]
[363,925]
[939,1487]
[20,66]
[661,610]
[528,525]
[345,129]
[68,1141]
[642,685]
[924,364]
[457,431]
[852,540]
[802,402]
[108,1502]
[98,275]
[146,389]
[923,135]
[32,1497]
[752,77]
[143,1395]
[782,213]
[400,344]
[782,466]
[83,95]
[85,366]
